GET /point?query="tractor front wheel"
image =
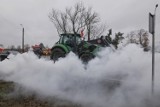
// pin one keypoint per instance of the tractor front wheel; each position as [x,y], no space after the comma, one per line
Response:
[57,53]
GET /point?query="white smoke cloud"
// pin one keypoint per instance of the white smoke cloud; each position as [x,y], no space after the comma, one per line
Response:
[113,79]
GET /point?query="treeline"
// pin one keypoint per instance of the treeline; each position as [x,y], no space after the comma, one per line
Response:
[16,48]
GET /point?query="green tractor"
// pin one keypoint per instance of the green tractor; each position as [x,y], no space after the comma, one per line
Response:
[73,43]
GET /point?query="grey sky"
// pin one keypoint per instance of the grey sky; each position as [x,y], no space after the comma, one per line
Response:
[120,15]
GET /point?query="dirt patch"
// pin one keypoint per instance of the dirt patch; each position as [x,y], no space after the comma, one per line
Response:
[8,100]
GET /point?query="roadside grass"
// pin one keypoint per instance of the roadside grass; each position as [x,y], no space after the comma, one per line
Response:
[7,100]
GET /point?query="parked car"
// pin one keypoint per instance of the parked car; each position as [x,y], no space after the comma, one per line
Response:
[4,54]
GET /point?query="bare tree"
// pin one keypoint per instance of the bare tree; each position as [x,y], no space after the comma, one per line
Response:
[145,40]
[132,37]
[26,47]
[76,18]
[59,20]
[12,47]
[140,34]
[91,19]
[139,37]
[74,15]
[97,30]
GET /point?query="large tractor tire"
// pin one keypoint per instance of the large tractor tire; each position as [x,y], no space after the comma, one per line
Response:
[57,53]
[86,57]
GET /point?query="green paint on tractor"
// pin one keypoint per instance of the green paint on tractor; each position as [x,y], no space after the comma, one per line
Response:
[85,50]
[63,46]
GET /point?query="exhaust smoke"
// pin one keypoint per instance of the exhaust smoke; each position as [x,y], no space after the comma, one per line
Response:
[113,79]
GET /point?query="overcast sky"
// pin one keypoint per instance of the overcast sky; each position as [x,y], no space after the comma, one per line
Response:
[120,15]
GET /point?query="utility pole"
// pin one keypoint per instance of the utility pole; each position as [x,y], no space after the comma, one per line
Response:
[22,38]
[152,19]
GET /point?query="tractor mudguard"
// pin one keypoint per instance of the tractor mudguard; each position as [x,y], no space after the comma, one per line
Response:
[64,47]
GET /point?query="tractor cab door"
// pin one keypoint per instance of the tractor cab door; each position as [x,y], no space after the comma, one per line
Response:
[69,40]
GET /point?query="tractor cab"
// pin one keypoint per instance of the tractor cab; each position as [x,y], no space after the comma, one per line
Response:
[70,39]
[67,42]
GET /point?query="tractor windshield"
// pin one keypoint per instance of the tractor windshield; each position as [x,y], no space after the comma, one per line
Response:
[70,39]
[63,39]
[66,39]
[78,40]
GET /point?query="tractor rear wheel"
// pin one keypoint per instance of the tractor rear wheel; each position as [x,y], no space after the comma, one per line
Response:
[86,57]
[57,53]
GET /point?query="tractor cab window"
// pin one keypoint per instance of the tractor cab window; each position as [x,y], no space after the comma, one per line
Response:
[70,39]
[78,40]
[67,39]
[63,39]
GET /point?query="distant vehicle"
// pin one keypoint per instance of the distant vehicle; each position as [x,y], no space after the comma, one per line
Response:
[40,50]
[1,49]
[4,54]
